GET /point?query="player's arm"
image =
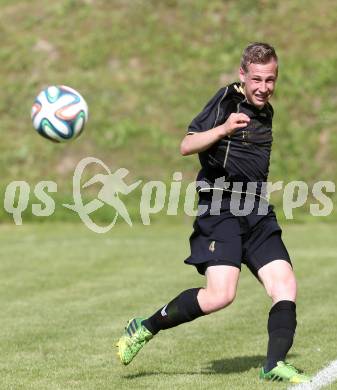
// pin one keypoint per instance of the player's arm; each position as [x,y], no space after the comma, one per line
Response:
[198,142]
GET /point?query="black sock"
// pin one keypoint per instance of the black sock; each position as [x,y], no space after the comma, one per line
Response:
[184,308]
[281,328]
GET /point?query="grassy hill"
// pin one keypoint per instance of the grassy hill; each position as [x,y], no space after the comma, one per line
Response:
[146,69]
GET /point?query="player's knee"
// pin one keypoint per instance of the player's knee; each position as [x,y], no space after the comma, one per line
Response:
[221,298]
[285,288]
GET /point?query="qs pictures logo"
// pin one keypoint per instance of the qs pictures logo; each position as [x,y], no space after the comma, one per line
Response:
[113,184]
[157,196]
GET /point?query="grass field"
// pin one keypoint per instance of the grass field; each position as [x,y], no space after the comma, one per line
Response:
[66,294]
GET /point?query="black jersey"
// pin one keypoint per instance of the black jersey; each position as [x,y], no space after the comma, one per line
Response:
[242,157]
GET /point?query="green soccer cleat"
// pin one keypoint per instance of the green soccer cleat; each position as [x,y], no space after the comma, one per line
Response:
[284,372]
[134,338]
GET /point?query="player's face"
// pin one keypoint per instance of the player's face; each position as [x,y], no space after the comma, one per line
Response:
[259,82]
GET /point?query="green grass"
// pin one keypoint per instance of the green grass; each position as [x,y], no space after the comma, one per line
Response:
[66,293]
[147,68]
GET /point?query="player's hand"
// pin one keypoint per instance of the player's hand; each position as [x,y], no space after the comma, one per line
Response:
[234,122]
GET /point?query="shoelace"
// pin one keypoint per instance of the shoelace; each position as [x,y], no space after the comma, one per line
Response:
[137,337]
[292,367]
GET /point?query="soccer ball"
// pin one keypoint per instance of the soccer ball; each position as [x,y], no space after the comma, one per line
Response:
[59,113]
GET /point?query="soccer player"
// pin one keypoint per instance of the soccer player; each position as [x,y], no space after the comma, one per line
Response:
[233,137]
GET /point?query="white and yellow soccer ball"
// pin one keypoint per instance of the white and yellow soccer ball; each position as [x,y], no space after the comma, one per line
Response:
[59,113]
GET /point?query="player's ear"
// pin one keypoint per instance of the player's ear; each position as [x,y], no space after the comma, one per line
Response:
[242,75]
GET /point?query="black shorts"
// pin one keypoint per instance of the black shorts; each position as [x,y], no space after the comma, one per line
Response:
[228,239]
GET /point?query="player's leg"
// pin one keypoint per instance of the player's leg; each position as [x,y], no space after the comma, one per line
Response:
[220,291]
[279,281]
[188,305]
[215,240]
[268,258]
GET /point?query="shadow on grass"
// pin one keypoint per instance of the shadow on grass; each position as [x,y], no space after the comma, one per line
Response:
[234,365]
[223,366]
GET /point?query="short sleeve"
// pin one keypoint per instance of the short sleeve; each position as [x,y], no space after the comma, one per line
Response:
[205,120]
